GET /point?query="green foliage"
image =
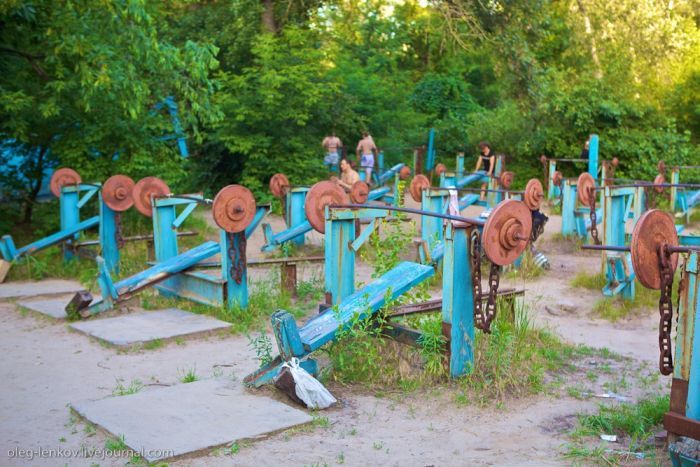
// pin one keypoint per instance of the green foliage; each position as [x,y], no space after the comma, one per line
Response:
[262,346]
[121,390]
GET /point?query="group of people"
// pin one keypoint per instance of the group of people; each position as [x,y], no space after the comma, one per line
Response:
[367,150]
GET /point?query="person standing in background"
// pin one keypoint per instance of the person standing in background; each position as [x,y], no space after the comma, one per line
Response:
[332,144]
[485,162]
[366,151]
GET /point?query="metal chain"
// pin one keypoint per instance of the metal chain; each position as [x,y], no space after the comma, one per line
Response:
[494,280]
[236,255]
[118,235]
[594,218]
[475,250]
[665,311]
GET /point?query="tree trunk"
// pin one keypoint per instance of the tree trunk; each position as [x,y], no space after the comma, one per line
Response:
[589,32]
[35,186]
[268,17]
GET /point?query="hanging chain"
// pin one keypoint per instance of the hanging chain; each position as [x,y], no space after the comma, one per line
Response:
[236,255]
[118,235]
[483,318]
[475,250]
[594,218]
[665,312]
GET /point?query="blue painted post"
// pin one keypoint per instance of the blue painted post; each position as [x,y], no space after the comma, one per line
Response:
[459,164]
[70,214]
[164,233]
[675,179]
[551,189]
[568,206]
[236,293]
[617,265]
[339,268]
[430,155]
[296,197]
[431,227]
[108,237]
[380,163]
[458,300]
[593,156]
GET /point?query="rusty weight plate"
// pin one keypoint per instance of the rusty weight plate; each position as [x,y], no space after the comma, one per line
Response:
[319,196]
[557,177]
[419,183]
[359,192]
[506,179]
[534,194]
[279,184]
[507,232]
[585,188]
[615,162]
[543,159]
[659,180]
[661,166]
[144,190]
[233,208]
[404,173]
[653,229]
[117,192]
[61,178]
[440,169]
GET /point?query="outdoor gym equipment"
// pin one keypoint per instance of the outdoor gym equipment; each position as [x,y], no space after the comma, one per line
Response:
[67,185]
[235,213]
[552,174]
[460,179]
[655,253]
[296,217]
[682,199]
[505,235]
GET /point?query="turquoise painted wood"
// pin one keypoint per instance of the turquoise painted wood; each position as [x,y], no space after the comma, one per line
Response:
[430,153]
[108,237]
[431,227]
[551,188]
[295,214]
[593,156]
[458,299]
[10,252]
[467,200]
[321,329]
[617,265]
[385,176]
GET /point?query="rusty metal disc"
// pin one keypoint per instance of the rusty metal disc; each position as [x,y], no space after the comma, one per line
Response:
[543,159]
[615,162]
[419,183]
[61,178]
[506,179]
[507,232]
[233,208]
[279,184]
[659,180]
[319,196]
[404,173]
[144,190]
[534,194]
[661,166]
[585,188]
[440,169]
[359,192]
[117,192]
[653,229]
[557,178]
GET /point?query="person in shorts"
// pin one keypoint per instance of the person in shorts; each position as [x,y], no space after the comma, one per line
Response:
[366,151]
[332,145]
[485,162]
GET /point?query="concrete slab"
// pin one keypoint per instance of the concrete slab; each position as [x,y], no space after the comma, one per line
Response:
[53,307]
[137,328]
[186,418]
[33,289]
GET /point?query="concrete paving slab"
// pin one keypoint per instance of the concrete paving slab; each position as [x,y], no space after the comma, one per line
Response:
[137,328]
[186,418]
[33,289]
[53,307]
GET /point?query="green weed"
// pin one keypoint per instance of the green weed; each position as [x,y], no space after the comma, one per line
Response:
[189,375]
[589,281]
[262,346]
[116,444]
[153,345]
[120,390]
[528,269]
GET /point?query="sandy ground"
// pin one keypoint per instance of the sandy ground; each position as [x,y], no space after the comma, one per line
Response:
[45,366]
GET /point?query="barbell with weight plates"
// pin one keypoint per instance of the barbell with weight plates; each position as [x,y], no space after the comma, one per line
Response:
[419,183]
[534,194]
[279,184]
[359,192]
[319,196]
[233,208]
[144,190]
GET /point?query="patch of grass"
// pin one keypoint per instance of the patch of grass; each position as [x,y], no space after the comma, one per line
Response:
[615,308]
[153,345]
[633,423]
[528,269]
[262,346]
[589,281]
[189,375]
[116,444]
[121,390]
[311,290]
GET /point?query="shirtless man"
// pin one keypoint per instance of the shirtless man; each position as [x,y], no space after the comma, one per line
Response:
[366,150]
[348,176]
[488,160]
[332,144]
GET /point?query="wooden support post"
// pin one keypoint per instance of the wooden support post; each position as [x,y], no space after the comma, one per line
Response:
[288,275]
[340,258]
[617,266]
[295,214]
[593,156]
[70,216]
[108,237]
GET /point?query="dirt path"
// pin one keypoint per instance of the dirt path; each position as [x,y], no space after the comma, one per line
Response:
[45,366]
